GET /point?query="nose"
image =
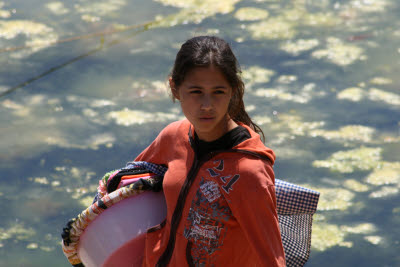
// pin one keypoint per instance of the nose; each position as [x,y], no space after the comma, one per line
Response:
[206,102]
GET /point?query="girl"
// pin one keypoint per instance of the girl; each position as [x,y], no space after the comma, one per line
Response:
[219,187]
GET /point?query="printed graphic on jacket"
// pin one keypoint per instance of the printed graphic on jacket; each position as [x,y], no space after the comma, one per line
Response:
[205,228]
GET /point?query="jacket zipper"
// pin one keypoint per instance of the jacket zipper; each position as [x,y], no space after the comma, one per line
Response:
[177,215]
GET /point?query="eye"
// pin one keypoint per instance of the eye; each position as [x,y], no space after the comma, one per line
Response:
[219,92]
[195,92]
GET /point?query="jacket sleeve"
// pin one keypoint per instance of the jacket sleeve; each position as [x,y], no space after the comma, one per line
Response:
[253,203]
[161,149]
[153,153]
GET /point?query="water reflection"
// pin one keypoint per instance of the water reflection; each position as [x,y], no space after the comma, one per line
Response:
[321,82]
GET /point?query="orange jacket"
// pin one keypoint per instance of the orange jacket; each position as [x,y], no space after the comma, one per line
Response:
[221,209]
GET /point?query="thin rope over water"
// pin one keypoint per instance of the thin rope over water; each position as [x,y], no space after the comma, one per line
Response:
[79,37]
[139,29]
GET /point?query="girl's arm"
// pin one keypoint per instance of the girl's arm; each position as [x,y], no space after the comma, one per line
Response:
[253,203]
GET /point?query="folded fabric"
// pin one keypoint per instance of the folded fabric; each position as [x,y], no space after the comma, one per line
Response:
[295,207]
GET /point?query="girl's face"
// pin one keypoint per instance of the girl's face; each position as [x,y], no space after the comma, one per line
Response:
[204,96]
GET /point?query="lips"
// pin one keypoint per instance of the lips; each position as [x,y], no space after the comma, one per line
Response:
[206,117]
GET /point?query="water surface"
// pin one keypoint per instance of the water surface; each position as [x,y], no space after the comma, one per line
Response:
[83,91]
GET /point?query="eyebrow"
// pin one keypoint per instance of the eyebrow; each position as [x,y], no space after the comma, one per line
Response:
[199,87]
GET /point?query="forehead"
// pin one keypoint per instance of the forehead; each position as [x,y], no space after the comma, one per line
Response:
[206,75]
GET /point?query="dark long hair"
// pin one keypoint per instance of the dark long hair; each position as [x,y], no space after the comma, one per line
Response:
[205,51]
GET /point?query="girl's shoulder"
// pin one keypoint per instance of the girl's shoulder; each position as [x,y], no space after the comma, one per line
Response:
[175,130]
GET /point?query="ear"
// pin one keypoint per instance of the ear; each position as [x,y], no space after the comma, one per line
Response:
[174,90]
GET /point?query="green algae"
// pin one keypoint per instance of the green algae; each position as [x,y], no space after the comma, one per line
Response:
[326,19]
[347,133]
[274,28]
[128,117]
[354,94]
[100,8]
[370,6]
[256,75]
[359,159]
[385,173]
[296,125]
[340,53]
[355,186]
[251,14]
[374,239]
[334,198]
[325,236]
[86,201]
[281,94]
[193,11]
[299,46]
[376,94]
[260,120]
[4,13]
[37,35]
[90,18]
[380,81]
[363,228]
[57,8]
[385,191]
[285,93]
[17,231]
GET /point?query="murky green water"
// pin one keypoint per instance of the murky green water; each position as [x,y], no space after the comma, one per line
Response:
[322,81]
